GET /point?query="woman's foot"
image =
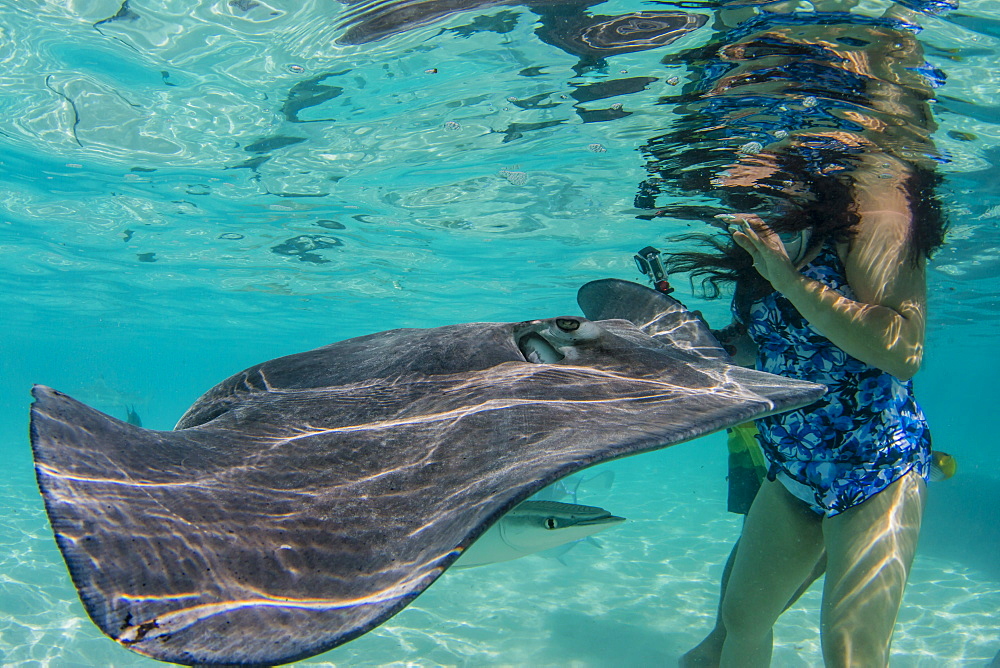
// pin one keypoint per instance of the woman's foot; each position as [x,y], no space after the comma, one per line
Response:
[708,651]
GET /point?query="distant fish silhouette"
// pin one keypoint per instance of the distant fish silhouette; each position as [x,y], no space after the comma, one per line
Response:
[132,417]
[568,489]
[99,392]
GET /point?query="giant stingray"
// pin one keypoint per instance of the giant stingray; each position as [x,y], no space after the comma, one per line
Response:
[305,500]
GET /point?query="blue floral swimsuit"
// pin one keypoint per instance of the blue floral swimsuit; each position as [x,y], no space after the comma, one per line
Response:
[863,435]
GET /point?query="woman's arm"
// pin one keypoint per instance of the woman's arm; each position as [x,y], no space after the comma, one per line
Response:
[884,327]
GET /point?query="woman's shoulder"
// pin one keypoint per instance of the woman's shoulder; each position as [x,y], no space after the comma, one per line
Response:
[878,261]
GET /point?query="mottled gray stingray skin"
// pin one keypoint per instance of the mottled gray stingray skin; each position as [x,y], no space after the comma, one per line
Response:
[305,500]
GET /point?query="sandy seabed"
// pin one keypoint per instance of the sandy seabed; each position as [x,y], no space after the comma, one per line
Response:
[642,597]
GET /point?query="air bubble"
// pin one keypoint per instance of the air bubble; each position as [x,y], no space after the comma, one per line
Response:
[673,81]
[597,148]
[781,134]
[809,101]
[617,106]
[751,147]
[452,125]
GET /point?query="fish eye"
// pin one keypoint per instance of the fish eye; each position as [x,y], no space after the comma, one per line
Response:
[550,523]
[567,325]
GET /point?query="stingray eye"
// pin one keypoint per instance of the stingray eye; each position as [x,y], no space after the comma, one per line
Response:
[567,325]
[550,523]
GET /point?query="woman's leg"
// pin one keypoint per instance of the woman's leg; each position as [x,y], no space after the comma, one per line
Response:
[870,550]
[708,652]
[782,541]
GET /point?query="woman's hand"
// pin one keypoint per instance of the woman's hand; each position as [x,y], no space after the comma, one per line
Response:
[770,258]
[883,324]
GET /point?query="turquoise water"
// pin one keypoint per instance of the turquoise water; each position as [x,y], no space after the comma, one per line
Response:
[209,185]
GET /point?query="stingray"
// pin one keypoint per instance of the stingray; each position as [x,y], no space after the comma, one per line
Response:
[305,500]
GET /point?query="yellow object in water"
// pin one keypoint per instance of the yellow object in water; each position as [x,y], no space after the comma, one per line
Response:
[743,439]
[943,465]
[747,466]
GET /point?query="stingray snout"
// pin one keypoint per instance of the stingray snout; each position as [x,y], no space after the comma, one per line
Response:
[552,340]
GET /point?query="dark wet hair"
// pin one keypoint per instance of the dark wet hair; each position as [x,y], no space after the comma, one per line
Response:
[929,222]
[829,211]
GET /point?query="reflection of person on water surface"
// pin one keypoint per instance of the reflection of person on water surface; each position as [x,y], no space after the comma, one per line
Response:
[827,263]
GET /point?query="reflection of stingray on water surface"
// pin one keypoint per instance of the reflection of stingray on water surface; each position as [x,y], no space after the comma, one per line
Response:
[565,25]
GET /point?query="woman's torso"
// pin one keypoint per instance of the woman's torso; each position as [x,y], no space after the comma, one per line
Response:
[864,434]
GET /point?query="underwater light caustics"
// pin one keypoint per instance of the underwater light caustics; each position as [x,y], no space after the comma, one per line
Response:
[304,501]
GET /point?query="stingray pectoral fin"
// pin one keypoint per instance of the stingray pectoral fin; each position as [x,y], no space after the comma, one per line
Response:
[181,552]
